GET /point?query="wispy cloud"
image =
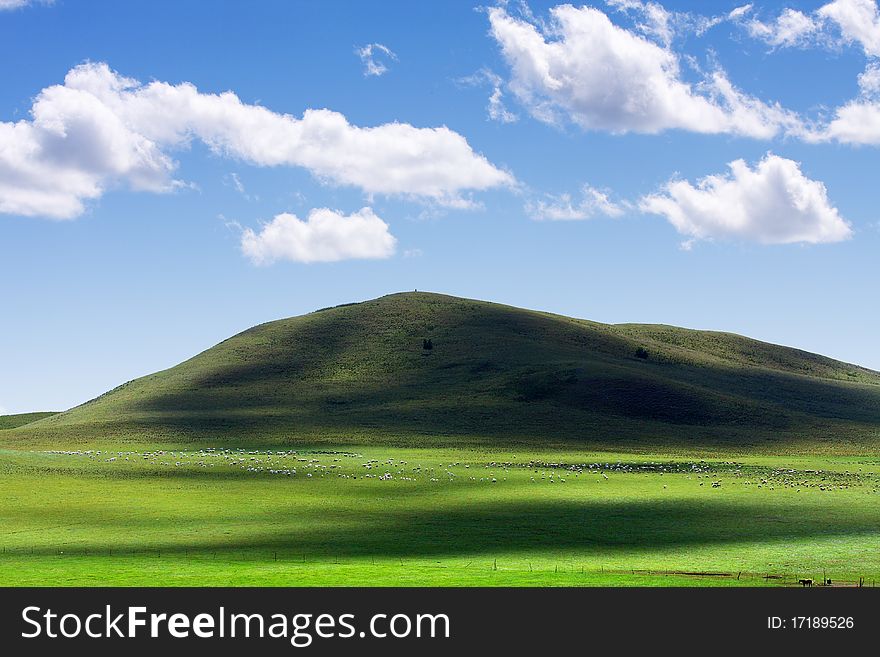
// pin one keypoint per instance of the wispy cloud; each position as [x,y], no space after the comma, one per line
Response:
[234,180]
[8,5]
[563,207]
[831,25]
[376,58]
[496,110]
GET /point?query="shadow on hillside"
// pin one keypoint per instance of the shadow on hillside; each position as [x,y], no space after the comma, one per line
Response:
[559,402]
[602,527]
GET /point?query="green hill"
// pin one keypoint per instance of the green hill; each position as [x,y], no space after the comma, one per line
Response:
[20,419]
[360,373]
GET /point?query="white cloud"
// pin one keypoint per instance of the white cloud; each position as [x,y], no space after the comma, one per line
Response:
[6,5]
[563,207]
[100,129]
[840,21]
[230,224]
[791,28]
[656,22]
[858,121]
[375,58]
[234,180]
[602,77]
[869,80]
[662,25]
[846,21]
[739,12]
[834,23]
[236,183]
[74,144]
[858,20]
[326,236]
[496,110]
[772,203]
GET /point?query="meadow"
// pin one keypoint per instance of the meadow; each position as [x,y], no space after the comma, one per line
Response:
[178,515]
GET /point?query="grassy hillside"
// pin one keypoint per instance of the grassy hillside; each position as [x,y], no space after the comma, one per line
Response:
[359,373]
[20,419]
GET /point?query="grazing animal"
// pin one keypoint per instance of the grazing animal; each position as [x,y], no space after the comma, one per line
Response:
[805,582]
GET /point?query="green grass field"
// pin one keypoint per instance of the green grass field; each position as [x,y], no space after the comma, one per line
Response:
[522,449]
[181,516]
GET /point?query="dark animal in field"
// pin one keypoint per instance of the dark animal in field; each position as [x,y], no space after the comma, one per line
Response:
[805,582]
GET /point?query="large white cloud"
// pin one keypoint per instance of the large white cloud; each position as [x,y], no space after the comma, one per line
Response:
[771,203]
[99,129]
[325,236]
[582,67]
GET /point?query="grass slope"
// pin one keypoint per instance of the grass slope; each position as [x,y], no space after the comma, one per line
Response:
[358,374]
[20,419]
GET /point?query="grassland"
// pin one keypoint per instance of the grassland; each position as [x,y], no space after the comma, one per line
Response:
[391,516]
[523,449]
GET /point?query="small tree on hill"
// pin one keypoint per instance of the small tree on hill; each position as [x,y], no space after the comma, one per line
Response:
[427,344]
[642,353]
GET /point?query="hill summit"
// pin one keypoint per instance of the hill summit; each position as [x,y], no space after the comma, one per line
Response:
[428,368]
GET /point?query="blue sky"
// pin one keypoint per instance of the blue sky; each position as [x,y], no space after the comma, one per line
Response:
[144,217]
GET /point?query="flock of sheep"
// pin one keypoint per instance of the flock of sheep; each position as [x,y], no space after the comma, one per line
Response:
[350,465]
